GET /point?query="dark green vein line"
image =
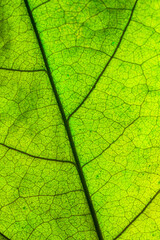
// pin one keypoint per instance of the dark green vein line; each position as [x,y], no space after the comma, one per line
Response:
[66,124]
[30,155]
[100,75]
[121,9]
[4,236]
[134,219]
[19,70]
[111,142]
[40,5]
[55,195]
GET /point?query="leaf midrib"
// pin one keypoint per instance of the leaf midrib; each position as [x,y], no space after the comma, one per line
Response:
[66,124]
[64,118]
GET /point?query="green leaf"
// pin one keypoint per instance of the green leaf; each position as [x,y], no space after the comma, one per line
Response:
[79,120]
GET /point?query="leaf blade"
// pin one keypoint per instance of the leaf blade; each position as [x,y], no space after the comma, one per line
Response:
[116,134]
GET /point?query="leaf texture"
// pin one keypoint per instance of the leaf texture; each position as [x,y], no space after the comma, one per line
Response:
[79,120]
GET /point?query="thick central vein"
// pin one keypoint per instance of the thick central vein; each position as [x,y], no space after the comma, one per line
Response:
[66,124]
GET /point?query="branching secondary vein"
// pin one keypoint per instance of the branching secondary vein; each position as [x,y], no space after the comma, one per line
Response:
[23,70]
[134,219]
[66,124]
[33,156]
[100,75]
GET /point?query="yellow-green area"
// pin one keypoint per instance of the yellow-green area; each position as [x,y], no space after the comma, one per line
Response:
[104,58]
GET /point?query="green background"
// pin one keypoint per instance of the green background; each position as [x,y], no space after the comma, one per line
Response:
[104,58]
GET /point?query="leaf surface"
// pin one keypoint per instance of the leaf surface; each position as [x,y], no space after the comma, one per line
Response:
[79,120]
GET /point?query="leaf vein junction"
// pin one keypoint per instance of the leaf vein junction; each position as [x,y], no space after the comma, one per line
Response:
[100,75]
[30,155]
[66,125]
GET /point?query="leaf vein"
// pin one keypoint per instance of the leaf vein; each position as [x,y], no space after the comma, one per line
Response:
[139,214]
[33,156]
[100,75]
[66,125]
